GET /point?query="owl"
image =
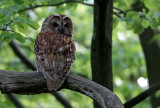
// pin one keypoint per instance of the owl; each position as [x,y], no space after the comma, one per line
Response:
[55,50]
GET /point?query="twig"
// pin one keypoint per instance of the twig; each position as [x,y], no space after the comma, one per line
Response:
[70,1]
[57,4]
[15,100]
[117,14]
[6,25]
[5,29]
[121,11]
[16,48]
[35,83]
[134,101]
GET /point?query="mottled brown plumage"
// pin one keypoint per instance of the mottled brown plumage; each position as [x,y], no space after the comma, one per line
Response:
[55,50]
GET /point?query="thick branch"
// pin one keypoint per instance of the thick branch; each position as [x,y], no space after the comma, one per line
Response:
[142,96]
[34,83]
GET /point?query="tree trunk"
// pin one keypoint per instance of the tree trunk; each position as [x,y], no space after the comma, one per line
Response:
[101,47]
[152,56]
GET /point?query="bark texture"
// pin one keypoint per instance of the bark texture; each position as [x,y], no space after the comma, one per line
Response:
[101,47]
[34,83]
[152,57]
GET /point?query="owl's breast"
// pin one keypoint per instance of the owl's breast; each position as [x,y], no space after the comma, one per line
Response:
[48,42]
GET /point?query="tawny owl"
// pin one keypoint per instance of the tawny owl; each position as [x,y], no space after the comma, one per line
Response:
[55,50]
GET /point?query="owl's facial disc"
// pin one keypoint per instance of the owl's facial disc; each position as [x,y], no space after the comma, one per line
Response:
[62,24]
[58,23]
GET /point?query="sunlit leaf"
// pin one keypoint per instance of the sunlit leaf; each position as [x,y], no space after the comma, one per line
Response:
[22,28]
[155,38]
[115,22]
[145,23]
[20,38]
[33,24]
[2,97]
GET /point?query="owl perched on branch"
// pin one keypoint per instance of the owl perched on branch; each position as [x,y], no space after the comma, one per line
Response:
[55,50]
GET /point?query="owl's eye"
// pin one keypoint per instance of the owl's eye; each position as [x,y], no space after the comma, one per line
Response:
[66,25]
[55,24]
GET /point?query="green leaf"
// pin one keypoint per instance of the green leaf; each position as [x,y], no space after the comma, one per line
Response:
[154,24]
[2,97]
[115,22]
[19,1]
[2,13]
[130,25]
[20,19]
[155,38]
[14,8]
[23,28]
[20,38]
[145,23]
[43,0]
[33,24]
[131,14]
[138,29]
[8,36]
[31,39]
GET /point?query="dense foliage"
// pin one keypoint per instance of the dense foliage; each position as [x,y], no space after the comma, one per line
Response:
[128,59]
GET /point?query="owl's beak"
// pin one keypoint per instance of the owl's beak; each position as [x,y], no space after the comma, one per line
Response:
[61,30]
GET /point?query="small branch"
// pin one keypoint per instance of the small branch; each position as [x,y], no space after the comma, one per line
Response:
[121,11]
[6,25]
[35,83]
[57,4]
[5,29]
[15,100]
[71,1]
[62,99]
[134,101]
[16,48]
[117,14]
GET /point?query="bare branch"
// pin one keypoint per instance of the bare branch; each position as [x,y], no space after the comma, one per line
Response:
[120,11]
[15,100]
[71,1]
[117,14]
[35,83]
[134,101]
[15,47]
[57,4]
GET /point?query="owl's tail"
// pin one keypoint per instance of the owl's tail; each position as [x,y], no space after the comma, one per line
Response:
[54,84]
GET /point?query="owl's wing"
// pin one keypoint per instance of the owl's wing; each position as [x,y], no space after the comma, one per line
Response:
[54,54]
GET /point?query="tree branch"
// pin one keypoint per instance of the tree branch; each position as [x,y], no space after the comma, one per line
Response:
[71,1]
[35,83]
[120,11]
[15,100]
[16,48]
[142,96]
[57,4]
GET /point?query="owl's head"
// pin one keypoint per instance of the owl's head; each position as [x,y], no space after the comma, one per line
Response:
[58,23]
